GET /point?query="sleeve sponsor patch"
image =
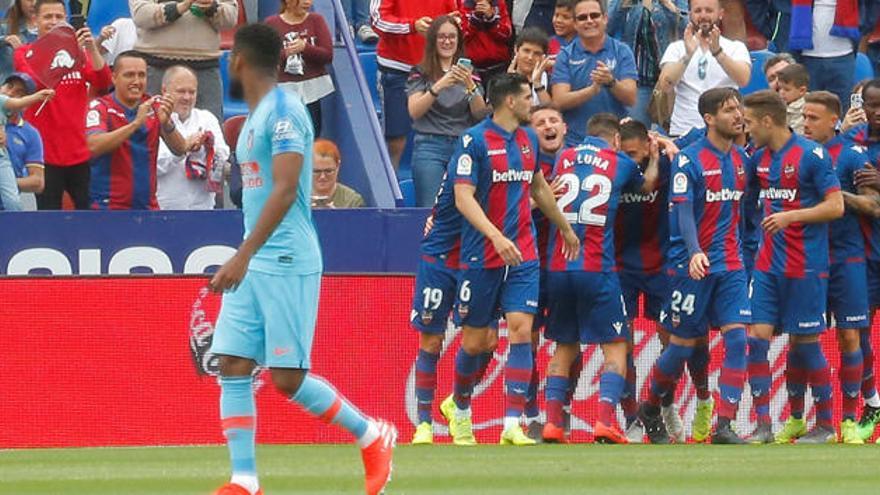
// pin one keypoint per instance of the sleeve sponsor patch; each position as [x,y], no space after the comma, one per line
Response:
[93,118]
[679,183]
[464,165]
[284,130]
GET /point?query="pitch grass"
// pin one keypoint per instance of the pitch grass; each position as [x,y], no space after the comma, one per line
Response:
[484,470]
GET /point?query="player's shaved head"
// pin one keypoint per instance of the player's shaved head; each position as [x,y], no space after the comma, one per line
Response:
[259,46]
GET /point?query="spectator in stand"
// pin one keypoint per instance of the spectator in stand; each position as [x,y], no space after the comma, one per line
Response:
[12,100]
[187,33]
[793,83]
[24,144]
[595,73]
[532,13]
[123,130]
[827,33]
[61,121]
[19,28]
[120,36]
[358,14]
[856,114]
[530,60]
[646,26]
[327,191]
[308,48]
[487,33]
[773,19]
[563,26]
[401,25]
[775,64]
[702,60]
[184,181]
[444,99]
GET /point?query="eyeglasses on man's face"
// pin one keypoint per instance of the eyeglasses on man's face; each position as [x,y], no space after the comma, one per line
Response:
[592,16]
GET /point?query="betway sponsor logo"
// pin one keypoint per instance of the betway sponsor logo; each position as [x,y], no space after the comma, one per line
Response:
[783,194]
[629,197]
[723,195]
[512,176]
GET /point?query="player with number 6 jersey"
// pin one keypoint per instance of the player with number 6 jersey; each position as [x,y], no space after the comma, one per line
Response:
[708,285]
[496,173]
[586,305]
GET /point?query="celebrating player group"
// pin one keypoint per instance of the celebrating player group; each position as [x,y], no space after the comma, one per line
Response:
[741,227]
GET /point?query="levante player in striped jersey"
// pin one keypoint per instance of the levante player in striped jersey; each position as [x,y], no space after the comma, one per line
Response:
[848,285]
[708,284]
[586,305]
[867,135]
[495,168]
[799,195]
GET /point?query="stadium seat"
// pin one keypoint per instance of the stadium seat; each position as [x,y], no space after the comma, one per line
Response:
[231,128]
[408,190]
[864,70]
[758,81]
[231,107]
[103,12]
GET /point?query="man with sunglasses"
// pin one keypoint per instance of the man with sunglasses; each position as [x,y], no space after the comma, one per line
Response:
[702,60]
[594,74]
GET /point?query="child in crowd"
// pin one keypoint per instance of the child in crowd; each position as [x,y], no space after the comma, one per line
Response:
[487,31]
[563,26]
[794,81]
[17,93]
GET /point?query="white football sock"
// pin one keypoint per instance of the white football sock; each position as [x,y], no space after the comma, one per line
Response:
[369,436]
[247,481]
[873,401]
[510,422]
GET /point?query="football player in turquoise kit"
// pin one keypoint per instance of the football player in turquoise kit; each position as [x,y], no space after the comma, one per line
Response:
[271,284]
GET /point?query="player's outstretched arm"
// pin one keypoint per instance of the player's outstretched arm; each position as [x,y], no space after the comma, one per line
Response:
[829,209]
[472,212]
[544,198]
[286,169]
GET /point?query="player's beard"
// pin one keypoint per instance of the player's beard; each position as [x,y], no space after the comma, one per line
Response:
[236,89]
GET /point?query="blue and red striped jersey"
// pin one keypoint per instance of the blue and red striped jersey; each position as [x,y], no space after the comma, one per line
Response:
[443,241]
[798,176]
[125,178]
[870,226]
[641,231]
[595,175]
[501,165]
[846,242]
[542,225]
[715,182]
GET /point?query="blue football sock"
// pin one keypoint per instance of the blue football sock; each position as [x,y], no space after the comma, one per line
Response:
[666,372]
[321,399]
[733,372]
[517,374]
[239,419]
[466,367]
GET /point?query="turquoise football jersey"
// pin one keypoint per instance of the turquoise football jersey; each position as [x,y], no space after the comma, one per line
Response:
[279,124]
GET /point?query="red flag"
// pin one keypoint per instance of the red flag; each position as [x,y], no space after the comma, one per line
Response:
[54,55]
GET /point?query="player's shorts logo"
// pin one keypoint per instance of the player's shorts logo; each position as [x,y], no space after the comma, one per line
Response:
[427,317]
[463,311]
[676,320]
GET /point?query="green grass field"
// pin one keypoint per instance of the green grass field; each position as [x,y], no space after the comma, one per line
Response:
[484,470]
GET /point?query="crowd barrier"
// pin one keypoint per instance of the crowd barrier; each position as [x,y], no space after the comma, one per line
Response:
[111,361]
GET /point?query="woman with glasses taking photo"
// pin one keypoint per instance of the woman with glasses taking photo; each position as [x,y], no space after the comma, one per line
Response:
[444,99]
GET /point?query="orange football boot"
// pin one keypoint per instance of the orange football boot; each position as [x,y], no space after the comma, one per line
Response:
[377,458]
[554,434]
[603,433]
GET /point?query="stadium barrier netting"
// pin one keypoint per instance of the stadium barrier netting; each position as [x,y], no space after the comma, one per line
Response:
[111,361]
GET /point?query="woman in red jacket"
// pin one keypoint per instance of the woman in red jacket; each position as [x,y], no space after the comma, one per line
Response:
[487,33]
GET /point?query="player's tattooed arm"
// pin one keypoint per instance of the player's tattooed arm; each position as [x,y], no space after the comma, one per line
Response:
[543,196]
[471,210]
[866,202]
[652,171]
